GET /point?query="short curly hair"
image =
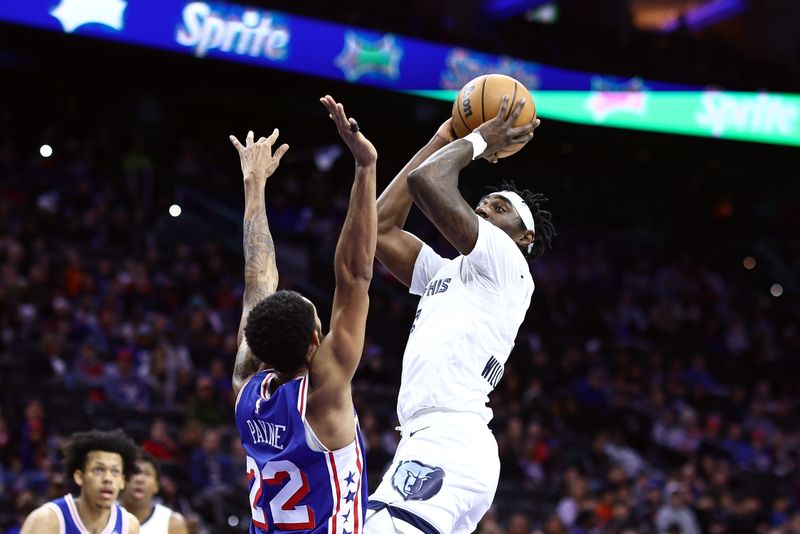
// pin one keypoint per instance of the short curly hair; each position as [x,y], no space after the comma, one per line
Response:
[80,444]
[148,458]
[542,219]
[279,330]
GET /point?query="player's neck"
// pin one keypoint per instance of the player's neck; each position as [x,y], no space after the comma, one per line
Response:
[282,378]
[142,511]
[93,517]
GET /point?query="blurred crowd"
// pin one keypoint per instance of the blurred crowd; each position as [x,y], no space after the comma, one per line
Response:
[649,390]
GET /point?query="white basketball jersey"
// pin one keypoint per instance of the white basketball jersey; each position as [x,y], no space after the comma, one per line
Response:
[467,319]
[158,522]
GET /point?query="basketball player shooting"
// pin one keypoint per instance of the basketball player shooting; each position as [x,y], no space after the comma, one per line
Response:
[296,419]
[445,471]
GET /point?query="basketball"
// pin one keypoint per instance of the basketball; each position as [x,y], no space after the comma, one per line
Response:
[479,101]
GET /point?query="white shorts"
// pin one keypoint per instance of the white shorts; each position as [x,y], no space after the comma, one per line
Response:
[444,474]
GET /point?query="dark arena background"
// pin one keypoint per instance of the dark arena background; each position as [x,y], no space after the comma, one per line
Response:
[657,368]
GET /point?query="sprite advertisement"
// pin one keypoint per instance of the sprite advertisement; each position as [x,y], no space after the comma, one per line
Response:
[271,39]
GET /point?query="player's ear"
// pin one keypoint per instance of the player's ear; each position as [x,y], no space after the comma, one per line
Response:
[77,476]
[316,337]
[316,341]
[526,238]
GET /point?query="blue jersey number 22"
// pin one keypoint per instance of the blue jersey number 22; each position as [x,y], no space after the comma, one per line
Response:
[285,512]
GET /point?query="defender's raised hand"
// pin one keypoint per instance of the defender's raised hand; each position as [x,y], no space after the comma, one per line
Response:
[362,149]
[257,159]
[500,133]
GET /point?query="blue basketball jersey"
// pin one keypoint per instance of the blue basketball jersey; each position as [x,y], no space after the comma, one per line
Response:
[296,485]
[70,522]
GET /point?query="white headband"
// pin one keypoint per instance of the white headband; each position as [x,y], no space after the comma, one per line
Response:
[522,208]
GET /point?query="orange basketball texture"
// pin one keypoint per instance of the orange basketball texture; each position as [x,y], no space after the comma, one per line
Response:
[480,99]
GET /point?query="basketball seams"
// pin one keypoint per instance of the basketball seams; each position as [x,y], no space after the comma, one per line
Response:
[461,116]
[501,85]
[483,92]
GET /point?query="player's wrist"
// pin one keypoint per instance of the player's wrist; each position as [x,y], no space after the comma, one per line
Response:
[252,180]
[478,143]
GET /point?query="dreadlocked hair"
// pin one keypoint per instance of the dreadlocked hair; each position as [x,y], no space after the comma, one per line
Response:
[542,219]
[81,444]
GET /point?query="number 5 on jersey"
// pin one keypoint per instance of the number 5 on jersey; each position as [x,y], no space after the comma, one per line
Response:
[283,506]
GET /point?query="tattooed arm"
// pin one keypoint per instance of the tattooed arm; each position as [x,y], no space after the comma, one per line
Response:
[260,272]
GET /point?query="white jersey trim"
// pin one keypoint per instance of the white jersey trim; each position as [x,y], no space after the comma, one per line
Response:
[125,520]
[359,518]
[76,518]
[336,492]
[158,522]
[302,397]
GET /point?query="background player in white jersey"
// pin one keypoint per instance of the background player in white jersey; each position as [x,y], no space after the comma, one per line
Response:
[138,499]
[99,463]
[296,420]
[446,467]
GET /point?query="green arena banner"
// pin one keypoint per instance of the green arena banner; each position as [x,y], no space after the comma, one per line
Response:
[236,32]
[756,117]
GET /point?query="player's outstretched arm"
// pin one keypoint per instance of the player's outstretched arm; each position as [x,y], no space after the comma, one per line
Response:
[434,185]
[354,258]
[398,249]
[260,272]
[330,404]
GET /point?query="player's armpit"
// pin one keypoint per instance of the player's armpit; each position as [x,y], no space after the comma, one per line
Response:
[245,366]
[397,250]
[434,187]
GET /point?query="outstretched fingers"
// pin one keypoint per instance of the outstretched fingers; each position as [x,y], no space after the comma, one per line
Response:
[521,130]
[522,138]
[516,112]
[341,117]
[272,137]
[337,114]
[235,142]
[279,153]
[330,105]
[335,111]
[501,113]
